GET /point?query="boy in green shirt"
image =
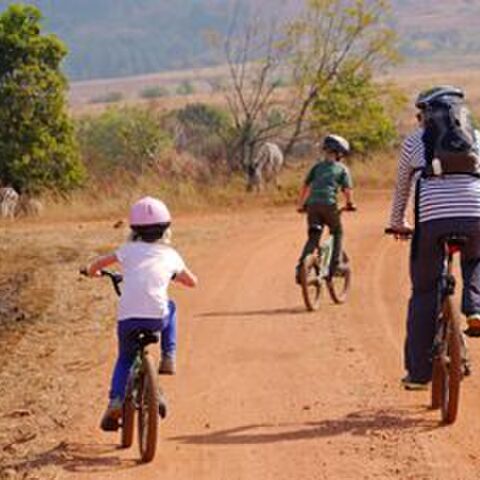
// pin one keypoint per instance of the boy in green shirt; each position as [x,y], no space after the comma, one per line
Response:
[318,197]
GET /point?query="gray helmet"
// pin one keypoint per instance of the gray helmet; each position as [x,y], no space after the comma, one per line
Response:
[336,143]
[443,92]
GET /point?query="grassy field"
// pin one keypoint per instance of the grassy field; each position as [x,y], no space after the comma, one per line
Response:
[105,201]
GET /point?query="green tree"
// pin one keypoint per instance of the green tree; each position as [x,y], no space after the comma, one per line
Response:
[37,141]
[335,36]
[313,48]
[358,109]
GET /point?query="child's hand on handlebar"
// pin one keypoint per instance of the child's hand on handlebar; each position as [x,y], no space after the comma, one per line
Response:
[85,270]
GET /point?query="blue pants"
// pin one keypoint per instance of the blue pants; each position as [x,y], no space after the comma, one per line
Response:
[167,327]
[426,266]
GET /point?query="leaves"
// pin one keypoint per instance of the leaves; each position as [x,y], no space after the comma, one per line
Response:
[37,144]
[355,107]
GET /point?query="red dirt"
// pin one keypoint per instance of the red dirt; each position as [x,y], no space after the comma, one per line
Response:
[264,389]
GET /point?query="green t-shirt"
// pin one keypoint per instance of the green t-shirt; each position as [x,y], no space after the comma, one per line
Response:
[325,178]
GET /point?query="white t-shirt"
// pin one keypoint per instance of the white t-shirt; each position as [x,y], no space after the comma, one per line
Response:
[147,271]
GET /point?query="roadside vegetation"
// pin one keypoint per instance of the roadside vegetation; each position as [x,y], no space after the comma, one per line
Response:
[290,83]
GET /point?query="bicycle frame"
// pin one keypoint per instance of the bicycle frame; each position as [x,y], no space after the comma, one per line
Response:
[325,251]
[447,285]
[134,376]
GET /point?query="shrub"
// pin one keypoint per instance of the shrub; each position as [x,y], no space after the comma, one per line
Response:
[206,129]
[127,138]
[109,97]
[155,91]
[185,88]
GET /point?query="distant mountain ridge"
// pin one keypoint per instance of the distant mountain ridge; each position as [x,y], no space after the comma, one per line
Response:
[114,38]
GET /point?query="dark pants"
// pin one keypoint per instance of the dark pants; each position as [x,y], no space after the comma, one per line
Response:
[317,217]
[426,266]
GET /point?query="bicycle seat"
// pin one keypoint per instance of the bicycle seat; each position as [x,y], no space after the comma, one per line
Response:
[144,337]
[454,241]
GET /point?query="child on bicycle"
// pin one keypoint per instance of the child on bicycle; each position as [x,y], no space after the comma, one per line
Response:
[148,264]
[318,197]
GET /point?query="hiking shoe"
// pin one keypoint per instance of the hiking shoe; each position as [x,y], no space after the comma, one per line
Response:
[162,404]
[111,417]
[339,270]
[167,366]
[411,385]
[473,323]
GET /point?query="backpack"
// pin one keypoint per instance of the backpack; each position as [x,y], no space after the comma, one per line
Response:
[449,139]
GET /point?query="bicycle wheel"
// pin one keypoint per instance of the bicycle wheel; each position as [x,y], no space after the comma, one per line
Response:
[128,418]
[339,285]
[438,382]
[453,377]
[147,410]
[310,282]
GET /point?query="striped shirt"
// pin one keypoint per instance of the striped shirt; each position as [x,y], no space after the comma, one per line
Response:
[440,197]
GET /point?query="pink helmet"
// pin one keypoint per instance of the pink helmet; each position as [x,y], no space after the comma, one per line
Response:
[149,211]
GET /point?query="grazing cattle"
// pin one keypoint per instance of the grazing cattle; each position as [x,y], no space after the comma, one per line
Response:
[8,202]
[265,167]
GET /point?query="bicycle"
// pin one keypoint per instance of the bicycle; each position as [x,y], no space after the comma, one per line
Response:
[449,352]
[315,269]
[142,394]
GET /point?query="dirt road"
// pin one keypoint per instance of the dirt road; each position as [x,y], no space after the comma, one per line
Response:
[264,390]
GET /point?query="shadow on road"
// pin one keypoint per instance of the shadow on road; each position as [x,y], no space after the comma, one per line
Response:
[76,457]
[362,423]
[253,313]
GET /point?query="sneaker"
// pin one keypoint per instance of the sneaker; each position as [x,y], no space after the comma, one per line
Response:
[411,385]
[162,404]
[167,366]
[111,417]
[339,270]
[473,323]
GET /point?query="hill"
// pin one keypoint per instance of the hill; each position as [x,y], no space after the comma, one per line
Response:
[115,38]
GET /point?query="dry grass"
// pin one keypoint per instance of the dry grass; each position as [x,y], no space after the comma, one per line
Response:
[112,200]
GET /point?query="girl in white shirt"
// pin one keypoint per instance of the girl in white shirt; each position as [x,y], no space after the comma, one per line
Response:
[148,264]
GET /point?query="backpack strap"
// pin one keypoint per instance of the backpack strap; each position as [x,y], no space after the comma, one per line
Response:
[428,139]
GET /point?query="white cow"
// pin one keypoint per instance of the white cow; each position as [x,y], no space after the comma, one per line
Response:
[265,167]
[8,202]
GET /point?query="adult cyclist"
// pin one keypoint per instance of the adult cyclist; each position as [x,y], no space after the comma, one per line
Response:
[446,202]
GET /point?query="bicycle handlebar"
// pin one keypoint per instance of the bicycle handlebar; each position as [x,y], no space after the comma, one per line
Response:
[404,234]
[115,277]
[345,208]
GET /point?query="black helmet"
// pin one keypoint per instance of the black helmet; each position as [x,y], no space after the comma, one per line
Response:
[336,143]
[442,92]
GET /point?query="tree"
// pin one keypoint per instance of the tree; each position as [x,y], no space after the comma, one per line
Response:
[328,37]
[37,141]
[334,36]
[358,109]
[254,62]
